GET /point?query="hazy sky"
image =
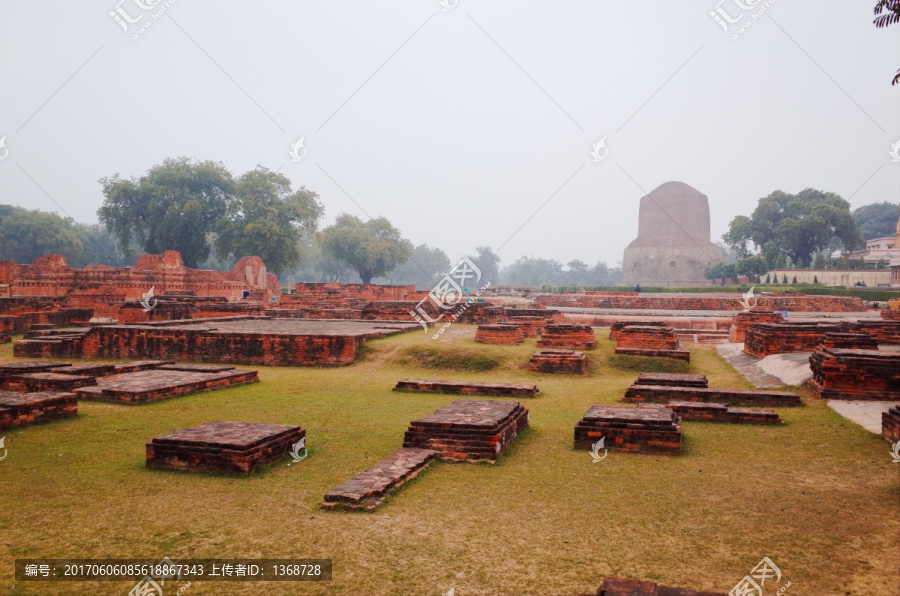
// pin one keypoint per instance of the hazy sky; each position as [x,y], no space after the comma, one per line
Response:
[457,125]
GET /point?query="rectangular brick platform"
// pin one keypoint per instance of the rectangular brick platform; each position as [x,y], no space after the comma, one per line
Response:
[87,370]
[368,489]
[45,381]
[763,339]
[856,374]
[741,321]
[530,326]
[712,412]
[25,408]
[136,365]
[573,337]
[684,355]
[466,388]
[850,341]
[15,368]
[469,429]
[502,335]
[672,380]
[646,428]
[884,332]
[568,362]
[648,337]
[150,385]
[615,329]
[734,397]
[890,424]
[714,301]
[225,447]
[614,586]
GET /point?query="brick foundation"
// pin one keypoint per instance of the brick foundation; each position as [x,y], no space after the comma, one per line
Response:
[468,429]
[890,424]
[501,335]
[713,412]
[850,341]
[530,326]
[367,490]
[856,374]
[614,586]
[615,328]
[573,337]
[651,429]
[684,355]
[742,320]
[672,380]
[464,388]
[661,395]
[162,383]
[17,408]
[763,339]
[224,447]
[883,332]
[647,337]
[566,362]
[717,301]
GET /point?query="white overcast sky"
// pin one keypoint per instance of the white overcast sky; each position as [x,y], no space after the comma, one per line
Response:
[457,125]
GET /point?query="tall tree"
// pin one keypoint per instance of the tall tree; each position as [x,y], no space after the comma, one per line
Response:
[26,235]
[174,206]
[267,219]
[888,12]
[372,248]
[877,220]
[798,225]
[488,262]
[529,271]
[424,268]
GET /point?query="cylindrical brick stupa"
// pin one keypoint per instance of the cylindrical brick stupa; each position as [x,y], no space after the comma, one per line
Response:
[673,246]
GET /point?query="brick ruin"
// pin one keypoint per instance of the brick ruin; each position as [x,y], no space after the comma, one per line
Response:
[650,340]
[573,337]
[235,448]
[714,412]
[615,329]
[852,341]
[614,586]
[646,428]
[500,334]
[856,374]
[367,490]
[466,388]
[468,429]
[718,301]
[733,397]
[565,362]
[532,327]
[741,321]
[17,408]
[763,339]
[890,424]
[672,380]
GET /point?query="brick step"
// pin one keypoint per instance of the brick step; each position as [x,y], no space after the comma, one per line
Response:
[466,388]
[684,355]
[672,380]
[646,428]
[367,489]
[734,397]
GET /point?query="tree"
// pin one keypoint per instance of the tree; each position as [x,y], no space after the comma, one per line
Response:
[266,219]
[815,279]
[174,206]
[891,16]
[98,246]
[528,271]
[372,248]
[795,280]
[877,220]
[796,225]
[425,267]
[752,266]
[723,271]
[882,263]
[488,262]
[26,235]
[784,281]
[819,262]
[768,279]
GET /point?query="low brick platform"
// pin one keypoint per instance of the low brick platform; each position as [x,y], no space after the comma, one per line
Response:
[884,332]
[136,365]
[890,424]
[850,341]
[469,429]
[660,395]
[856,374]
[5,338]
[567,362]
[791,302]
[616,327]
[654,353]
[88,370]
[651,337]
[614,586]
[150,385]
[646,428]
[530,326]
[549,314]
[45,381]
[25,408]
[368,489]
[465,388]
[501,335]
[15,368]
[573,337]
[763,339]
[672,380]
[225,447]
[712,412]
[741,321]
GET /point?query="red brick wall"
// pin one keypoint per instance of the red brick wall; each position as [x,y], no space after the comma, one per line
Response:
[792,302]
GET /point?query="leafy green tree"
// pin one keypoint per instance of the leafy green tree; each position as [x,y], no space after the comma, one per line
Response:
[488,262]
[372,248]
[723,271]
[26,235]
[819,261]
[877,220]
[174,206]
[768,279]
[889,14]
[784,281]
[882,263]
[815,279]
[266,219]
[426,265]
[99,246]
[529,271]
[752,266]
[798,225]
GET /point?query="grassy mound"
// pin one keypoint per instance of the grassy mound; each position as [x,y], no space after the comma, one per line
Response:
[449,358]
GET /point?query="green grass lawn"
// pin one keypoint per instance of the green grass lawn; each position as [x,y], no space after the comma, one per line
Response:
[818,495]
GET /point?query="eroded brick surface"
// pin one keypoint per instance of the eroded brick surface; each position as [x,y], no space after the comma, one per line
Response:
[224,447]
[504,335]
[661,395]
[567,362]
[24,408]
[856,374]
[646,428]
[466,388]
[367,489]
[672,380]
[713,412]
[890,424]
[786,302]
[684,355]
[614,586]
[573,337]
[160,383]
[743,320]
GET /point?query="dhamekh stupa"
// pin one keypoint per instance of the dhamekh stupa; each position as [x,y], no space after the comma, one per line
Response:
[672,246]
